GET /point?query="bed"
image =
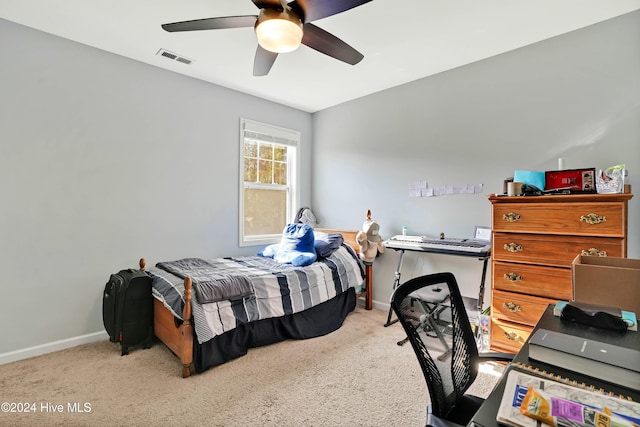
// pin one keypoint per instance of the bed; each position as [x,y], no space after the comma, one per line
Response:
[268,302]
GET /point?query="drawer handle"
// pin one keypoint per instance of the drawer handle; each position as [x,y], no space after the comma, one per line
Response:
[593,252]
[513,247]
[593,218]
[512,277]
[512,336]
[511,217]
[512,307]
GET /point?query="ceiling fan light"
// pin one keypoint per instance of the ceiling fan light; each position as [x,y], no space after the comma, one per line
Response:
[277,31]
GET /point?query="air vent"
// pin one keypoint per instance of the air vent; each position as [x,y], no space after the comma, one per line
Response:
[174,56]
[168,55]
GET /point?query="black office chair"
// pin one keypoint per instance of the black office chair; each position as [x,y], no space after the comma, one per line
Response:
[445,346]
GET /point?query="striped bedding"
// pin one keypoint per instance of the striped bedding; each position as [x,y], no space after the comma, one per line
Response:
[278,290]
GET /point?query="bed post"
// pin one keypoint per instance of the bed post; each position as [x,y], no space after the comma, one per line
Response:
[368,268]
[186,331]
[351,240]
[184,342]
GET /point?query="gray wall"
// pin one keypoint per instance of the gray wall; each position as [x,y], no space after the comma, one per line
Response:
[104,160]
[576,96]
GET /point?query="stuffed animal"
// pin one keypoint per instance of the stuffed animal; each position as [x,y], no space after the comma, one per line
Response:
[369,240]
[296,247]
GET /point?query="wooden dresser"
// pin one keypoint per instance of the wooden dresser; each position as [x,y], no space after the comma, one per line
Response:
[535,238]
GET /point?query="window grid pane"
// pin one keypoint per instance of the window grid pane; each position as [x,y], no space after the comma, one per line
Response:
[265,163]
[250,170]
[250,148]
[280,173]
[266,151]
[280,153]
[265,172]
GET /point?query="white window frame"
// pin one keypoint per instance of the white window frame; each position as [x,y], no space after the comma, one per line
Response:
[278,135]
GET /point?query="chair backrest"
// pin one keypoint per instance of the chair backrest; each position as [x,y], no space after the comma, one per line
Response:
[441,336]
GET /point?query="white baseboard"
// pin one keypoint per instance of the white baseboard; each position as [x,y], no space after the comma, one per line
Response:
[39,350]
[376,305]
[384,306]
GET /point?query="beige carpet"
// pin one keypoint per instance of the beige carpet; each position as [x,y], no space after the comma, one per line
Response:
[356,376]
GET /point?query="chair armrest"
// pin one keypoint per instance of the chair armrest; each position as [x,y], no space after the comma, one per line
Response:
[493,356]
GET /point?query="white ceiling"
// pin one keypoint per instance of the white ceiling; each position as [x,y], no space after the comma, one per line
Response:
[400,41]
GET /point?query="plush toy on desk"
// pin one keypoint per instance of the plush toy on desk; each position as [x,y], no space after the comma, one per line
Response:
[369,240]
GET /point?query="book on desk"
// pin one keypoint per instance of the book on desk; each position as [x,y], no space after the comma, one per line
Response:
[617,360]
[612,355]
[518,383]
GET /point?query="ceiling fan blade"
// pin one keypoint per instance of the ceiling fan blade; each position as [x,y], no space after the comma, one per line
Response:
[268,4]
[212,23]
[324,42]
[312,10]
[263,61]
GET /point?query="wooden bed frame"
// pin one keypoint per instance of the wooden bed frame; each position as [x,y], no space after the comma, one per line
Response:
[178,336]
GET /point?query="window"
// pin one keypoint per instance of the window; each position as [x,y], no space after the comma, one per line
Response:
[268,181]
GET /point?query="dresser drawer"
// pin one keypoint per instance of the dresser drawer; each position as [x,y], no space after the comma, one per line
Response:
[519,308]
[508,337]
[551,250]
[549,282]
[585,219]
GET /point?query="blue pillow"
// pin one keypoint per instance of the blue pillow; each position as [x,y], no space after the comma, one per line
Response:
[296,246]
[269,251]
[327,243]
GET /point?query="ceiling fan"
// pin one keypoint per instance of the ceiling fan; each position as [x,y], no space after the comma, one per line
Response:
[281,27]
